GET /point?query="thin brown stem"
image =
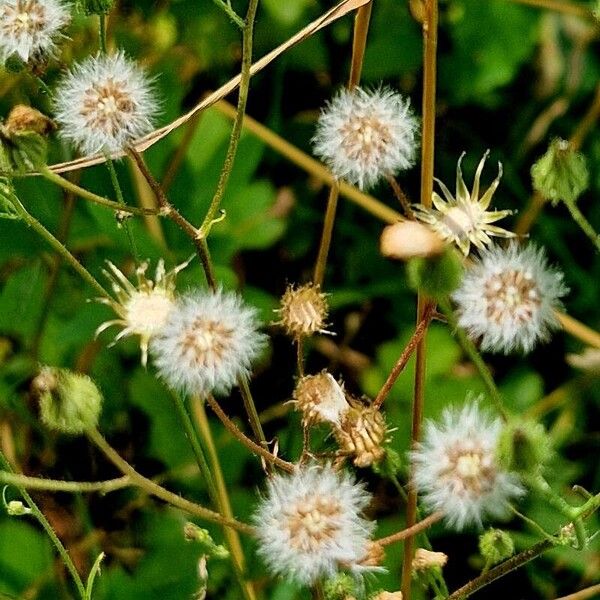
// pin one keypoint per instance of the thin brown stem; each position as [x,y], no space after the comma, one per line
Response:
[589,592]
[417,528]
[325,244]
[402,198]
[560,6]
[359,43]
[430,27]
[300,355]
[236,132]
[245,440]
[154,489]
[402,361]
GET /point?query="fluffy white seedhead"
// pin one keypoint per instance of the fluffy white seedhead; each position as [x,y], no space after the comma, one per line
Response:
[208,342]
[310,524]
[456,470]
[30,29]
[105,103]
[508,297]
[464,219]
[142,309]
[365,135]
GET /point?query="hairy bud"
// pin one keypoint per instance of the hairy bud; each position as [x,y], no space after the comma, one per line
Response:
[523,446]
[320,398]
[425,560]
[437,276]
[340,587]
[69,402]
[303,310]
[96,7]
[495,546]
[202,537]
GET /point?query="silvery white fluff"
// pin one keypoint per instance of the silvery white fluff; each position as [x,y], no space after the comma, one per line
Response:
[508,297]
[30,28]
[105,103]
[365,135]
[208,342]
[456,470]
[310,524]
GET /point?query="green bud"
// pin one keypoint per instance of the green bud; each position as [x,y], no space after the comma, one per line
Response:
[524,446]
[437,276]
[561,173]
[15,64]
[69,402]
[202,537]
[28,151]
[390,465]
[15,508]
[495,546]
[95,7]
[340,587]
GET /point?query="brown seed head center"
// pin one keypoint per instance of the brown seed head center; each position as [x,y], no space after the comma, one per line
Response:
[312,522]
[469,471]
[511,294]
[26,17]
[365,138]
[206,342]
[107,107]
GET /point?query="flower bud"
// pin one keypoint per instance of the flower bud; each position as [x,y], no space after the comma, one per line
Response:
[495,546]
[361,434]
[69,402]
[425,560]
[340,587]
[25,119]
[390,466]
[387,596]
[202,537]
[523,446]
[437,276]
[96,7]
[410,239]
[561,173]
[303,310]
[320,398]
[15,508]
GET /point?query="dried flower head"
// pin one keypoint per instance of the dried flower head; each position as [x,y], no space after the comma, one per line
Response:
[142,308]
[388,596]
[208,342]
[310,524]
[410,239]
[365,135]
[303,310]
[507,299]
[456,469]
[104,104]
[320,398]
[426,559]
[464,219]
[361,434]
[24,119]
[30,29]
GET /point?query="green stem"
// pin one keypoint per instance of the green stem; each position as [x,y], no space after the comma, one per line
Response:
[58,247]
[245,74]
[226,8]
[469,348]
[102,33]
[37,513]
[583,223]
[252,413]
[72,487]
[154,489]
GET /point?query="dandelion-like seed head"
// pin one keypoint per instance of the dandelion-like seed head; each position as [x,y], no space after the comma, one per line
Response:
[104,104]
[142,308]
[365,135]
[208,342]
[457,471]
[303,310]
[31,28]
[464,219]
[310,524]
[508,297]
[320,398]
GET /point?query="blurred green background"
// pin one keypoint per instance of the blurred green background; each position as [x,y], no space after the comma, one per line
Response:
[511,78]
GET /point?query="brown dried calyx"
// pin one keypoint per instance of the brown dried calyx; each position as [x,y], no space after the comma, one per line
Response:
[25,119]
[303,310]
[361,434]
[410,239]
[426,559]
[320,399]
[388,596]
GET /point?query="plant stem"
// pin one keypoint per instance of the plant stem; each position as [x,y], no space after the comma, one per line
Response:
[71,487]
[325,243]
[235,18]
[430,27]
[404,357]
[252,413]
[73,188]
[245,440]
[58,247]
[359,43]
[37,513]
[154,489]
[469,348]
[102,33]
[426,523]
[401,197]
[567,8]
[311,166]
[247,42]
[578,330]
[224,504]
[583,223]
[584,594]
